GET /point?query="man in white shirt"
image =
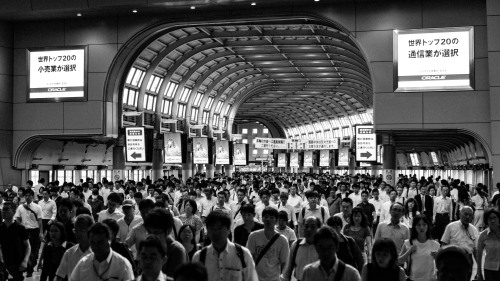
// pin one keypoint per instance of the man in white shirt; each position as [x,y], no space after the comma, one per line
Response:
[87,192]
[112,212]
[385,209]
[312,209]
[224,260]
[295,200]
[443,209]
[345,215]
[400,197]
[356,195]
[49,209]
[73,255]
[38,187]
[29,215]
[129,220]
[265,195]
[221,203]
[289,209]
[393,228]
[206,203]
[236,206]
[463,233]
[103,263]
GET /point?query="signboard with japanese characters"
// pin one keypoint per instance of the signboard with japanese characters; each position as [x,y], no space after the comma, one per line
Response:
[135,143]
[173,148]
[434,59]
[200,151]
[366,143]
[294,159]
[222,152]
[322,144]
[281,160]
[324,158]
[270,143]
[58,74]
[343,156]
[308,158]
[240,154]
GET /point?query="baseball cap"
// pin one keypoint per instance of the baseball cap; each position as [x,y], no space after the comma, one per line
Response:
[128,203]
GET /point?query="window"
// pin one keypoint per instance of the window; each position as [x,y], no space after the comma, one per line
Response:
[194,114]
[226,111]
[209,103]
[254,151]
[265,151]
[205,117]
[170,89]
[265,131]
[244,141]
[181,110]
[254,131]
[166,108]
[197,99]
[215,122]
[135,77]
[254,141]
[186,92]
[154,83]
[219,106]
[224,122]
[244,131]
[149,102]
[34,175]
[130,96]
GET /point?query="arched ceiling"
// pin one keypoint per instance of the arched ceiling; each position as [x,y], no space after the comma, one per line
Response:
[289,72]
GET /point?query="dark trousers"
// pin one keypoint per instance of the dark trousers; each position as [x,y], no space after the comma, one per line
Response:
[45,224]
[13,269]
[442,220]
[491,275]
[34,238]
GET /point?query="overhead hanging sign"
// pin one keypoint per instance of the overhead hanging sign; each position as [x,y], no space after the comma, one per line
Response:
[324,158]
[173,148]
[270,143]
[343,156]
[308,158]
[58,74]
[135,143]
[323,144]
[222,152]
[240,154]
[434,59]
[294,159]
[281,160]
[200,151]
[366,143]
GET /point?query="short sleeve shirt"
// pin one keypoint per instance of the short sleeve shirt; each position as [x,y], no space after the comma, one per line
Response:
[269,267]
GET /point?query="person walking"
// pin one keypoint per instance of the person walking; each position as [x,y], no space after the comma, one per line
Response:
[489,242]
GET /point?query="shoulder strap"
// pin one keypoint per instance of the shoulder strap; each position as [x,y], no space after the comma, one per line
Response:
[237,212]
[322,213]
[203,255]
[303,213]
[29,209]
[340,271]
[263,252]
[295,251]
[239,253]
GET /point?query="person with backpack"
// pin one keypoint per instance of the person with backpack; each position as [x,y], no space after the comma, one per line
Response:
[224,260]
[328,267]
[269,248]
[312,209]
[302,251]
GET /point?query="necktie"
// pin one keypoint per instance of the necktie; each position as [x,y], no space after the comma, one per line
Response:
[423,203]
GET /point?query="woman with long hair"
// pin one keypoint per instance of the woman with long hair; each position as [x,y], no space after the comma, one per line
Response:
[480,202]
[190,217]
[53,251]
[489,241]
[360,231]
[187,238]
[463,200]
[384,264]
[419,251]
[411,210]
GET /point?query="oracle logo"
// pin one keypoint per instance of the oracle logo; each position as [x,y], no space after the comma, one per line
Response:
[434,77]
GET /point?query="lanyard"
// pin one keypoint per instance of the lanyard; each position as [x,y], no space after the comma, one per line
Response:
[105,271]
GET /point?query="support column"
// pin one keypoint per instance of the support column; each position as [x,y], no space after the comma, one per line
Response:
[229,170]
[210,170]
[119,159]
[187,168]
[352,164]
[157,171]
[389,159]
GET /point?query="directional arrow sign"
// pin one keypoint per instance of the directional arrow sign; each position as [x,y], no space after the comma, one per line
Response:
[366,143]
[135,142]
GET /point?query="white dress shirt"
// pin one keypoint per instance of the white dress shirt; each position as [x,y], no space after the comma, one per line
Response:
[49,209]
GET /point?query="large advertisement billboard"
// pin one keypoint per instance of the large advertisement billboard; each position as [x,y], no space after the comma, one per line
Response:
[173,148]
[240,154]
[200,151]
[308,158]
[222,152]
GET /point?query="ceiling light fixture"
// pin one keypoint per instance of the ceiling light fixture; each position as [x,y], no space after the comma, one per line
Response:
[79,15]
[134,11]
[193,7]
[253,4]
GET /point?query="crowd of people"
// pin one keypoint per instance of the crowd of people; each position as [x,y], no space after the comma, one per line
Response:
[252,226]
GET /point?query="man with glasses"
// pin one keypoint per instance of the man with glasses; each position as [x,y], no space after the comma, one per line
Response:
[462,233]
[393,228]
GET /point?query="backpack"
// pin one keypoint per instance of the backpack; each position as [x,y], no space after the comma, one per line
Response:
[322,213]
[239,253]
